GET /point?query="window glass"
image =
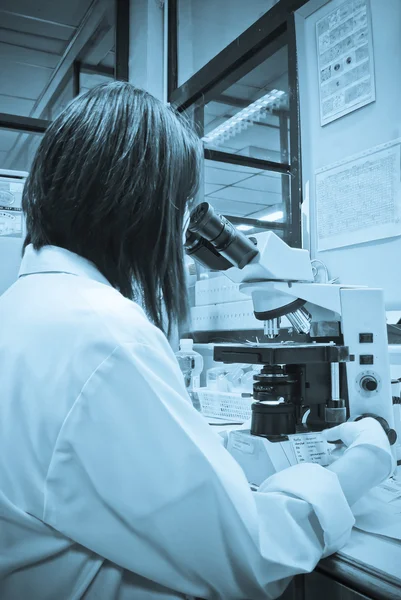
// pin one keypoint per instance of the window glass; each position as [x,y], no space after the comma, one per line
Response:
[34,37]
[206,27]
[246,193]
[89,79]
[60,100]
[251,116]
[97,61]
[249,119]
[37,40]
[17,149]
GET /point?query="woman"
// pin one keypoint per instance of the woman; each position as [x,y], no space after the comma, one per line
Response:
[112,485]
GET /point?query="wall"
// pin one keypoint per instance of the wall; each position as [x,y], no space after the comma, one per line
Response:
[377,264]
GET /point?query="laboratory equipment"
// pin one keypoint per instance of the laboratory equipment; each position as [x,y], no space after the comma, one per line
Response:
[12,226]
[213,240]
[225,378]
[191,365]
[339,366]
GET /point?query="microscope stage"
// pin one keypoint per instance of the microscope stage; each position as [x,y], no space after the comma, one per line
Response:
[282,354]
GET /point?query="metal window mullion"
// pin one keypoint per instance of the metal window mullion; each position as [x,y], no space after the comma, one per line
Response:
[121,66]
[285,179]
[246,161]
[23,124]
[263,32]
[76,78]
[295,238]
[172,47]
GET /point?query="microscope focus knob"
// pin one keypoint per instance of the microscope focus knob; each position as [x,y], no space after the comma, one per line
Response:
[369,383]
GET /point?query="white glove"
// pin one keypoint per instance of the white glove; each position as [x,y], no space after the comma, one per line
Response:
[366,432]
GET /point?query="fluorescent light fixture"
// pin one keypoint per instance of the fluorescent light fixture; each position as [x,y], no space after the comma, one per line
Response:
[274,216]
[244,227]
[245,117]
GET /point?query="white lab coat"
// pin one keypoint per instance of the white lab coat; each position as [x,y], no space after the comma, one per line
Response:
[112,485]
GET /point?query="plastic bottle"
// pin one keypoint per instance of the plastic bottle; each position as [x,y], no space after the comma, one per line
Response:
[191,365]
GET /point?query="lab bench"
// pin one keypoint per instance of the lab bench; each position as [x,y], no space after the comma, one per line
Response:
[367,568]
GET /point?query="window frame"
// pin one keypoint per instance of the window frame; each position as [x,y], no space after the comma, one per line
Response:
[247,51]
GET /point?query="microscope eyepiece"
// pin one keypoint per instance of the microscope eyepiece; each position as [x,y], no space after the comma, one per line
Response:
[199,216]
[203,251]
[222,235]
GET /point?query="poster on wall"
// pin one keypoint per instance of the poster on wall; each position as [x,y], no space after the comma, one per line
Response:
[11,221]
[358,200]
[345,60]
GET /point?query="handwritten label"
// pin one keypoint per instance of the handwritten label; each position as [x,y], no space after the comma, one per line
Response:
[238,442]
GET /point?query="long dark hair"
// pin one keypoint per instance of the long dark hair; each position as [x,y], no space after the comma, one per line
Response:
[110,182]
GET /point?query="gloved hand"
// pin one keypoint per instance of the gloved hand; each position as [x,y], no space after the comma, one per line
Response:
[366,432]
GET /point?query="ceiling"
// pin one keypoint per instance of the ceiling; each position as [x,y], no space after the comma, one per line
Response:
[39,40]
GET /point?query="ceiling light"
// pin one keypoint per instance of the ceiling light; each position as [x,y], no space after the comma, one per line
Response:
[274,216]
[245,117]
[244,227]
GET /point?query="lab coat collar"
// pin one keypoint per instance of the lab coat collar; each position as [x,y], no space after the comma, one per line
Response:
[52,259]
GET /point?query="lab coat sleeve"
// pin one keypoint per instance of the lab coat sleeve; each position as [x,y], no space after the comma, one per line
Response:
[138,477]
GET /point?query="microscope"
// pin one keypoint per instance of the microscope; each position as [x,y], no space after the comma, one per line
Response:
[337,370]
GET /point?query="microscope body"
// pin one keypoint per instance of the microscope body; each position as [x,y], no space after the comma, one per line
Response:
[281,283]
[333,381]
[338,369]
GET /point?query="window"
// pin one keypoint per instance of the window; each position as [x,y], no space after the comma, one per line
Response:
[91,78]
[251,116]
[49,53]
[206,27]
[60,99]
[35,37]
[249,197]
[244,103]
[17,150]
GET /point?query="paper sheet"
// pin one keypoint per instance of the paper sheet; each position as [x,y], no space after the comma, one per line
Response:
[310,447]
[389,491]
[379,511]
[359,199]
[345,60]
[11,223]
